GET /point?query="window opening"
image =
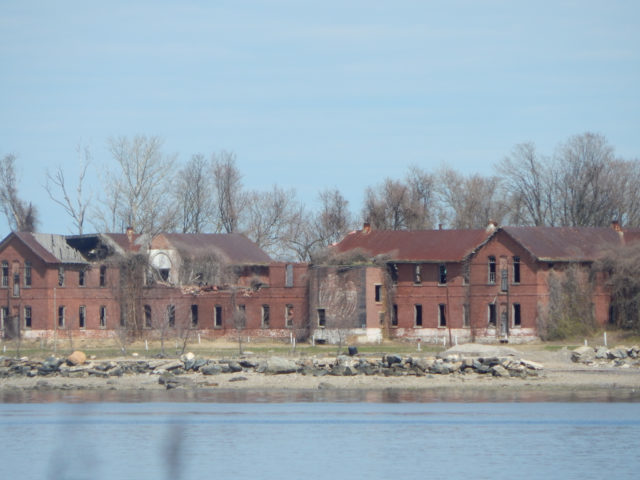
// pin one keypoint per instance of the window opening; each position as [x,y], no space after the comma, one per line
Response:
[417,313]
[517,319]
[61,276]
[417,274]
[322,317]
[442,274]
[103,275]
[5,273]
[265,316]
[16,284]
[82,316]
[503,281]
[148,319]
[81,278]
[492,315]
[194,316]
[466,323]
[492,269]
[378,293]
[394,316]
[61,315]
[442,315]
[288,315]
[27,317]
[27,273]
[217,316]
[516,269]
[288,276]
[171,315]
[103,316]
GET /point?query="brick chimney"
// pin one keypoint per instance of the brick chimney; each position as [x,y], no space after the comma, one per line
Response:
[615,224]
[492,226]
[366,228]
[130,235]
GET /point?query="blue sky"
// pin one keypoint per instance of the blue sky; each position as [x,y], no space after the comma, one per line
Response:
[312,95]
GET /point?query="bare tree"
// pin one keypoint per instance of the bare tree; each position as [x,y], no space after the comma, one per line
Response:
[470,202]
[526,178]
[229,196]
[22,216]
[334,220]
[136,193]
[194,195]
[338,295]
[386,207]
[75,207]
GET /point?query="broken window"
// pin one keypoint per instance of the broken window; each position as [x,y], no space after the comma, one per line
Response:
[516,269]
[442,315]
[148,319]
[417,315]
[217,316]
[81,278]
[288,315]
[322,317]
[378,293]
[503,281]
[171,315]
[16,284]
[288,276]
[61,315]
[492,269]
[82,316]
[466,320]
[417,274]
[103,316]
[194,316]
[123,318]
[4,315]
[394,316]
[517,319]
[393,273]
[27,317]
[442,274]
[492,315]
[5,273]
[27,273]
[61,276]
[103,275]
[164,274]
[265,316]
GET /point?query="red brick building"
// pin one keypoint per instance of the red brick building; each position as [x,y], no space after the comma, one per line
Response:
[434,285]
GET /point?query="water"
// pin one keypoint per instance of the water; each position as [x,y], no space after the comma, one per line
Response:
[319,440]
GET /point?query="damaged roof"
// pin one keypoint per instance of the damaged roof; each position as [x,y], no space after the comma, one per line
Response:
[557,244]
[50,248]
[416,245]
[234,248]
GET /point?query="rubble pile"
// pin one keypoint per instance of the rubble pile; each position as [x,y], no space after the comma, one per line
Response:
[383,365]
[619,356]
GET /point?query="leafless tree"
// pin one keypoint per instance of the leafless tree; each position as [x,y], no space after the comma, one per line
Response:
[229,195]
[136,194]
[527,180]
[22,216]
[470,201]
[271,219]
[194,194]
[338,295]
[334,220]
[56,187]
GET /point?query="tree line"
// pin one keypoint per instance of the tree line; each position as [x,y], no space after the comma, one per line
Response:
[582,183]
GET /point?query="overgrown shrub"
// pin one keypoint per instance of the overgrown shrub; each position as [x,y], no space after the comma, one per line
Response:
[569,312]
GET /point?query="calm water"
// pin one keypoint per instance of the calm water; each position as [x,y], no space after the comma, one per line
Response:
[320,440]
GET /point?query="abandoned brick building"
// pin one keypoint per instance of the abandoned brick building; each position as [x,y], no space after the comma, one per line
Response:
[486,284]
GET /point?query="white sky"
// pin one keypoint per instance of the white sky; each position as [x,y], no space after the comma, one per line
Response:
[313,94]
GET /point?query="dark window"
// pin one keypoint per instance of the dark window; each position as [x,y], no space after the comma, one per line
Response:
[417,274]
[442,315]
[27,317]
[82,316]
[288,315]
[394,316]
[492,269]
[16,284]
[27,273]
[322,317]
[516,269]
[194,316]
[103,316]
[103,275]
[465,316]
[241,319]
[164,274]
[217,316]
[5,273]
[61,312]
[378,293]
[265,316]
[517,319]
[288,276]
[466,269]
[171,315]
[417,314]
[148,319]
[61,276]
[442,274]
[81,278]
[123,319]
[492,315]
[393,272]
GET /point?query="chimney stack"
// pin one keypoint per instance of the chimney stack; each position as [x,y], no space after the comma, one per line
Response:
[366,228]
[130,234]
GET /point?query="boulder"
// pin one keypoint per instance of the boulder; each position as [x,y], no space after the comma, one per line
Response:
[618,352]
[211,369]
[279,365]
[583,354]
[77,358]
[602,353]
[499,371]
[392,359]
